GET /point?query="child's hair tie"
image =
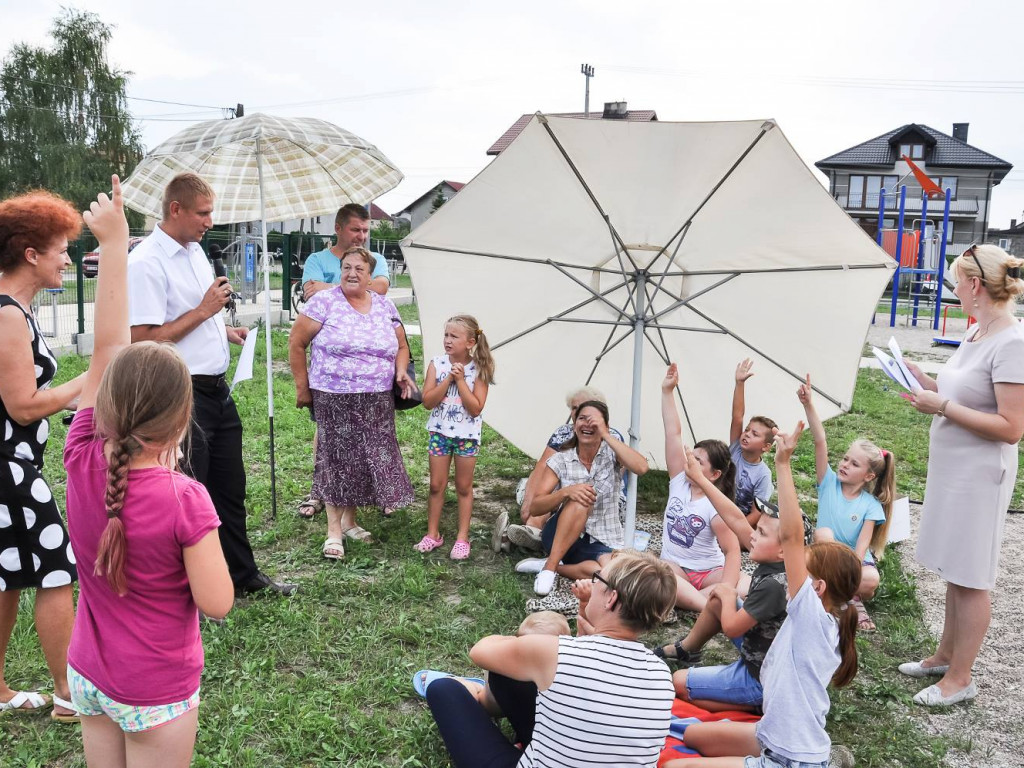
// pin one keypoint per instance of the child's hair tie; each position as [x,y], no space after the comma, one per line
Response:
[1013,272]
[479,331]
[885,454]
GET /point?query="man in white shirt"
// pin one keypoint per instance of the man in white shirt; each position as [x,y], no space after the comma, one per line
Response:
[174,297]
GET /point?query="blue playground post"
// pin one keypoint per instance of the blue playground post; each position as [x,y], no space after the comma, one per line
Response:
[899,255]
[920,254]
[942,263]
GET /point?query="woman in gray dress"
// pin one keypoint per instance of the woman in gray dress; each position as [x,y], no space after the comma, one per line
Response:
[978,406]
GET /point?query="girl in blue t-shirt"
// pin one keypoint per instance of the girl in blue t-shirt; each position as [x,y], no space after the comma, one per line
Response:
[854,503]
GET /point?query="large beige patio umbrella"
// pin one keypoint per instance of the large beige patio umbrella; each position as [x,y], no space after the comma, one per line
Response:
[265,168]
[597,251]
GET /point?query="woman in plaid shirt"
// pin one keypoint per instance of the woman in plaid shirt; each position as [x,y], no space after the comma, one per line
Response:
[581,487]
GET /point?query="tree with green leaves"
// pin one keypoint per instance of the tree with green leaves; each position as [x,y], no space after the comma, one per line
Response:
[64,120]
[439,199]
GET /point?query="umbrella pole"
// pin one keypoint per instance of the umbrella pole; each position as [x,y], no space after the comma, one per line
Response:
[266,330]
[634,412]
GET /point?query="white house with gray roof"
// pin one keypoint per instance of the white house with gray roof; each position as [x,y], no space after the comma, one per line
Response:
[856,175]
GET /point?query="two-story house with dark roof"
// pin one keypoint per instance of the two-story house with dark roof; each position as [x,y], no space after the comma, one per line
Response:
[856,176]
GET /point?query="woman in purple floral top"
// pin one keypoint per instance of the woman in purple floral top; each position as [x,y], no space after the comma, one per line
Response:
[359,350]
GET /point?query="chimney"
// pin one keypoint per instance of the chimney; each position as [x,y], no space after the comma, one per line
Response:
[614,110]
[1013,223]
[960,131]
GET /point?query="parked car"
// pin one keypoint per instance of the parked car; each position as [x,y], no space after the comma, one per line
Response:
[91,260]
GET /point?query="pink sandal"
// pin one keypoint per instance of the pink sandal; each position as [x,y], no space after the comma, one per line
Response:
[460,551]
[428,544]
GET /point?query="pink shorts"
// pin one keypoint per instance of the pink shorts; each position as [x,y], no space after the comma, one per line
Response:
[697,578]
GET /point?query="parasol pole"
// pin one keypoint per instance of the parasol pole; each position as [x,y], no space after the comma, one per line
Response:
[634,412]
[266,330]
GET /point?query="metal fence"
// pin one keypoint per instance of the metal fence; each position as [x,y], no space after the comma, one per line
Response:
[65,313]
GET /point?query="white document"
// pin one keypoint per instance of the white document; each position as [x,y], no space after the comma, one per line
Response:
[897,354]
[891,368]
[899,524]
[243,370]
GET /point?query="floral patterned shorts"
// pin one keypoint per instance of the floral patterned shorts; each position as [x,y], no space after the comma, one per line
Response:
[440,445]
[90,701]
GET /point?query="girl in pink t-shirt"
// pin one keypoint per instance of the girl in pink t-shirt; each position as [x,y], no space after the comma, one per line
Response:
[144,535]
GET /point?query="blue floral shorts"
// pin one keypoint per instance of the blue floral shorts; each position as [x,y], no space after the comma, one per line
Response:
[90,701]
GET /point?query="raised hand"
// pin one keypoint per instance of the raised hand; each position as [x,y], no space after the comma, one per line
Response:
[804,393]
[694,470]
[786,444]
[743,370]
[105,217]
[671,380]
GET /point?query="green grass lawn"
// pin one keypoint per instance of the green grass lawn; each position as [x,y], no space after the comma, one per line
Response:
[323,678]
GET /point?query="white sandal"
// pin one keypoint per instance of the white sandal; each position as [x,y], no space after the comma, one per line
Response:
[333,549]
[35,701]
[59,702]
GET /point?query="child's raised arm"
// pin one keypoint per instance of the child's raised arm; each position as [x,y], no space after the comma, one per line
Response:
[806,396]
[724,506]
[791,524]
[675,456]
[105,219]
[730,546]
[739,403]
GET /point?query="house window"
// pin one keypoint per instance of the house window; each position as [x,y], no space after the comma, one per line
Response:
[864,190]
[913,151]
[1004,243]
[951,227]
[947,182]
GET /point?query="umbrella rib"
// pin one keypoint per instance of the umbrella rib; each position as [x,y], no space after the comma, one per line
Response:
[524,259]
[721,181]
[770,359]
[586,188]
[688,299]
[608,346]
[620,312]
[591,322]
[770,270]
[622,267]
[671,260]
[582,304]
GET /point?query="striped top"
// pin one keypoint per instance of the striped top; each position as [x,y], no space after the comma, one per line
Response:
[609,705]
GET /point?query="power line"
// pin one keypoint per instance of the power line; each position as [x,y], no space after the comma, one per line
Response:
[7,103]
[114,93]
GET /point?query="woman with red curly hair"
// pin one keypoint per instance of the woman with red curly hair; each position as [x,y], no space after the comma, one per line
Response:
[34,548]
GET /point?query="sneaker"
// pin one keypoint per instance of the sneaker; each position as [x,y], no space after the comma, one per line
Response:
[521,491]
[498,535]
[544,583]
[840,757]
[525,536]
[531,565]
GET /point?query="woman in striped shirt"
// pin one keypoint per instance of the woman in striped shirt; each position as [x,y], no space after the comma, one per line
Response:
[593,700]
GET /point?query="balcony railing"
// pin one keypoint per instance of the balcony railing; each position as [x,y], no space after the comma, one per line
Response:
[963,206]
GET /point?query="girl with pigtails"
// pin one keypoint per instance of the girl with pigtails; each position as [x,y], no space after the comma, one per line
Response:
[145,536]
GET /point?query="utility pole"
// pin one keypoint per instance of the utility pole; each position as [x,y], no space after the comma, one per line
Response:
[588,72]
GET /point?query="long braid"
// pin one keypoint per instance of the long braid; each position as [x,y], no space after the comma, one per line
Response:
[112,550]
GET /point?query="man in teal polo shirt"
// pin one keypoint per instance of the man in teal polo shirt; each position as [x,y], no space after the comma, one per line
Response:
[322,269]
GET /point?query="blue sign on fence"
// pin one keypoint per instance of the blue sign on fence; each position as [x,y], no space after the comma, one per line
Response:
[250,262]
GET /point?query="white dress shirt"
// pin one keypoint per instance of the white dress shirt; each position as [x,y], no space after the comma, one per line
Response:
[166,280]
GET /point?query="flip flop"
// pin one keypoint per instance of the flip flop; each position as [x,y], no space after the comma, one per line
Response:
[59,702]
[36,703]
[358,534]
[335,545]
[425,677]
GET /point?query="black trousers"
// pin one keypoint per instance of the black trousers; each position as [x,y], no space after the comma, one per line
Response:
[215,460]
[472,738]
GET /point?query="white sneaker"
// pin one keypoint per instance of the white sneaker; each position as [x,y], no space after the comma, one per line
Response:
[531,565]
[544,582]
[521,491]
[498,535]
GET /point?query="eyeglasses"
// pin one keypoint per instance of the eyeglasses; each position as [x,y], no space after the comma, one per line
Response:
[598,577]
[970,252]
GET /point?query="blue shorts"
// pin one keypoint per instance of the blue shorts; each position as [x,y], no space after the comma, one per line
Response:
[768,759]
[730,684]
[586,547]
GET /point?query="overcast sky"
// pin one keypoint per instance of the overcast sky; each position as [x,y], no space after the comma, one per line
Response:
[434,83]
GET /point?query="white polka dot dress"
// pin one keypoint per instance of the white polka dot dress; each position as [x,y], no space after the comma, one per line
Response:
[34,547]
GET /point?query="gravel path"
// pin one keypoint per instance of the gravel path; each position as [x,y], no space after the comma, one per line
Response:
[991,725]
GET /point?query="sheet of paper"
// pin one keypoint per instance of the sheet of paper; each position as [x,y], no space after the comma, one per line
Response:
[897,355]
[243,370]
[899,525]
[891,368]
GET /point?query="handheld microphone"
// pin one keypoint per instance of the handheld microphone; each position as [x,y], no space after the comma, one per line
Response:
[220,271]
